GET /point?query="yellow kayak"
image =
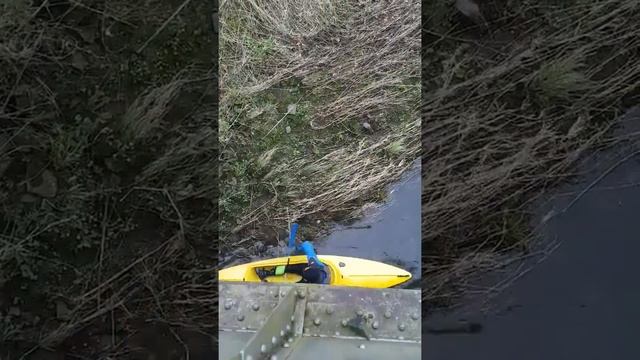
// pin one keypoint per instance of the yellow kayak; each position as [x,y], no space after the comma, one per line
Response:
[342,271]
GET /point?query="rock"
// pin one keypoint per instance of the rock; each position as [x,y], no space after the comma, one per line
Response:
[241,252]
[87,34]
[287,129]
[470,9]
[367,126]
[259,245]
[48,186]
[107,115]
[254,113]
[292,108]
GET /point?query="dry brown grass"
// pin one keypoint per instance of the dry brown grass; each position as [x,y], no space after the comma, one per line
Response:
[496,138]
[354,62]
[149,110]
[88,124]
[372,66]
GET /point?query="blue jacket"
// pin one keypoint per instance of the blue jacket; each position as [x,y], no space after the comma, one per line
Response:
[307,249]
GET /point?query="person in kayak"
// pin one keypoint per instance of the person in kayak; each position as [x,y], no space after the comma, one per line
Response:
[312,272]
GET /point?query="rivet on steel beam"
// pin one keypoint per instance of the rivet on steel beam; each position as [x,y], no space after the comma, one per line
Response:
[344,322]
[228,305]
[316,321]
[293,318]
[400,337]
[362,346]
[288,327]
[255,307]
[285,345]
[282,332]
[274,340]
[240,317]
[375,325]
[329,310]
[263,348]
[337,333]
[282,293]
[415,316]
[387,314]
[301,294]
[360,312]
[402,326]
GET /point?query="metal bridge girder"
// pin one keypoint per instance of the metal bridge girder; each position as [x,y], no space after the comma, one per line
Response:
[279,321]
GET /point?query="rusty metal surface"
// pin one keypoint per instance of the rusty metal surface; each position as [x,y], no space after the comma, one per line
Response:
[285,321]
[387,314]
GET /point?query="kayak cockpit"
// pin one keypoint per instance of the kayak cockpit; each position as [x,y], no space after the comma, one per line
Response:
[281,273]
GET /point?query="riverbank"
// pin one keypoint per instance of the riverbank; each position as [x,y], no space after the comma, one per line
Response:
[510,106]
[318,112]
[570,305]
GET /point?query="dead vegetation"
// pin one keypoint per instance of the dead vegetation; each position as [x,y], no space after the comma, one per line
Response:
[107,170]
[110,157]
[504,120]
[351,96]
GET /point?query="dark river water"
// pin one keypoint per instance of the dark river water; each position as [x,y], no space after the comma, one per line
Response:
[583,301]
[390,234]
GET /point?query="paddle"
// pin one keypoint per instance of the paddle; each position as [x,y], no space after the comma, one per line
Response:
[292,237]
[291,247]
